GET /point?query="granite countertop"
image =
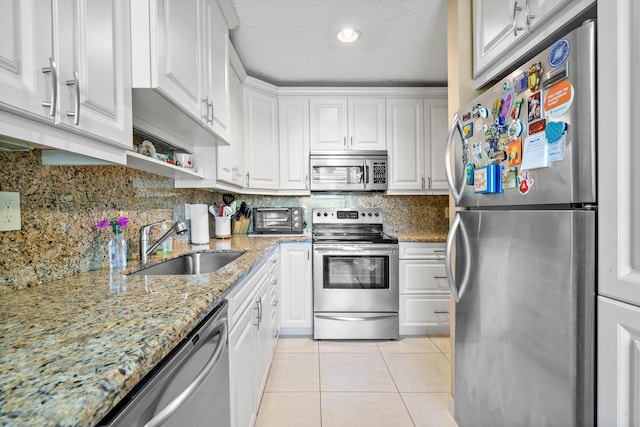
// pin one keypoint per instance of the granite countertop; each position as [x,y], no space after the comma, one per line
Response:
[422,237]
[71,349]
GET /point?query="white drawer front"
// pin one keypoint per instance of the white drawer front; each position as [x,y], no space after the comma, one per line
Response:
[422,276]
[423,315]
[413,250]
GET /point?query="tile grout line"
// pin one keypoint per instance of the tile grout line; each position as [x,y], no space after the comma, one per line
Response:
[396,385]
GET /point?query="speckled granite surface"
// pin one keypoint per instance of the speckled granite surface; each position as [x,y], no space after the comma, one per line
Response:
[69,351]
[61,204]
[426,237]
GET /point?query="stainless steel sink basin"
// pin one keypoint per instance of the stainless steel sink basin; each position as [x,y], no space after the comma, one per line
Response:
[193,263]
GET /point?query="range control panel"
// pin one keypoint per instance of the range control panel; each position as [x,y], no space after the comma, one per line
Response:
[347,216]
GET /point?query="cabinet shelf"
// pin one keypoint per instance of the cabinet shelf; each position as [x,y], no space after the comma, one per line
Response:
[148,164]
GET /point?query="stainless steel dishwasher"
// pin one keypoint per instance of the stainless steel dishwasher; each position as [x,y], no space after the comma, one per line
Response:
[188,388]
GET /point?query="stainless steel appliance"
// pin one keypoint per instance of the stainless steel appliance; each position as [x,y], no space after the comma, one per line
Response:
[348,170]
[355,275]
[525,243]
[278,220]
[189,387]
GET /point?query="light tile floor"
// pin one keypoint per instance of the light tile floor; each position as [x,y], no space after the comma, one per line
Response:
[358,383]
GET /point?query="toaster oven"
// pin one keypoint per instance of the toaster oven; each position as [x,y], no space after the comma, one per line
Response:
[278,220]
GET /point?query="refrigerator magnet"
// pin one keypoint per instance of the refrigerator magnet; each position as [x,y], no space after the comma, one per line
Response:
[534,110]
[520,83]
[514,152]
[524,182]
[558,98]
[559,52]
[557,149]
[515,129]
[537,127]
[468,170]
[535,152]
[509,177]
[554,131]
[534,75]
[467,131]
[515,112]
[481,180]
[487,179]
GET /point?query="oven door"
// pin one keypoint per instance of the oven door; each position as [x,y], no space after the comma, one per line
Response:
[355,277]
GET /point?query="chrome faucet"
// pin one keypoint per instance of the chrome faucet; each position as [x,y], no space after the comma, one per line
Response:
[147,248]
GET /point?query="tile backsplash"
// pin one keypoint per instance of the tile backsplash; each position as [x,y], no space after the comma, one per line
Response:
[61,204]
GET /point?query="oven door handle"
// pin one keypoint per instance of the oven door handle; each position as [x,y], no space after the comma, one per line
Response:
[375,249]
[354,319]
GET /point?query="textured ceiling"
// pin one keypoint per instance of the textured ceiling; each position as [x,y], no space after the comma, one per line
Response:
[293,43]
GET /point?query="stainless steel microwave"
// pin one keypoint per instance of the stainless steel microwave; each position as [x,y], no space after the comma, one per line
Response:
[278,220]
[348,170]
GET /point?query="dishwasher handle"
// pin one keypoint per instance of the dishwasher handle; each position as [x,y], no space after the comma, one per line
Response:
[176,403]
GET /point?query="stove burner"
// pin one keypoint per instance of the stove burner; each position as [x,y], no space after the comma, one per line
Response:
[362,225]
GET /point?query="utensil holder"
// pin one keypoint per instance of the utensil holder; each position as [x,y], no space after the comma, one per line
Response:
[222,227]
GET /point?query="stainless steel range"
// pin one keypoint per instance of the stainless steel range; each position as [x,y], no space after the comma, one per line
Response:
[355,275]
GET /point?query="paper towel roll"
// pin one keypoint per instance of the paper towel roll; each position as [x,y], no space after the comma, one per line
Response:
[199,224]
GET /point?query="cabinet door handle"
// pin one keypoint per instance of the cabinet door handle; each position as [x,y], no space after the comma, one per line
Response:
[514,23]
[204,109]
[247,180]
[351,142]
[53,70]
[528,16]
[422,182]
[345,143]
[441,312]
[210,112]
[76,84]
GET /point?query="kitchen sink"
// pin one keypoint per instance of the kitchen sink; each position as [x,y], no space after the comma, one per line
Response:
[192,263]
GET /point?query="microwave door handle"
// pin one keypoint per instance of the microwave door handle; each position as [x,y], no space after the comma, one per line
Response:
[365,170]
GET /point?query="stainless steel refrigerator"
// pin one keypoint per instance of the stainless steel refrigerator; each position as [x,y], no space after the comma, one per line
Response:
[523,242]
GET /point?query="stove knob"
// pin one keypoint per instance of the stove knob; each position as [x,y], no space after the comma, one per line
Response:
[369,214]
[318,214]
[377,214]
[326,214]
[362,214]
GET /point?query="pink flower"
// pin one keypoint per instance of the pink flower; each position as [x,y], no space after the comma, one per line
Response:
[117,223]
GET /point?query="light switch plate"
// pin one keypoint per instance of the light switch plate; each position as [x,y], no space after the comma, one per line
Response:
[10,211]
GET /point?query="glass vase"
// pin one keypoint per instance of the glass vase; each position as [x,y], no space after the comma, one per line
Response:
[118,252]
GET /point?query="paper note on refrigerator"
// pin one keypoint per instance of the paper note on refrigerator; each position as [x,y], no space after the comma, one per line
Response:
[535,152]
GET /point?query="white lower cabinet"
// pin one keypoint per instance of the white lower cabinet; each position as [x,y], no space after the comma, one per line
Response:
[424,293]
[251,339]
[618,363]
[297,291]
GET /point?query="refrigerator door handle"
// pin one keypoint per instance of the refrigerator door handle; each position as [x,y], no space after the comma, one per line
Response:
[456,125]
[451,237]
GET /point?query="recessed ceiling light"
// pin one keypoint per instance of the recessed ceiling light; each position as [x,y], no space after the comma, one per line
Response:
[348,35]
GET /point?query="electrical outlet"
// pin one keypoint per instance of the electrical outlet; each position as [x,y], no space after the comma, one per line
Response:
[446,212]
[9,211]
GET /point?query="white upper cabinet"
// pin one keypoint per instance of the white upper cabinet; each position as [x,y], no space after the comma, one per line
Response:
[416,135]
[496,26]
[506,31]
[405,133]
[216,70]
[293,128]
[67,63]
[436,124]
[230,158]
[94,77]
[180,51]
[261,155]
[347,124]
[26,57]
